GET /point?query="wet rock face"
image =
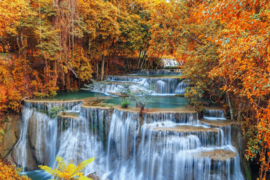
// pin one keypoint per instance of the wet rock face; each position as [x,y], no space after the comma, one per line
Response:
[239,143]
[12,129]
[94,176]
[30,161]
[36,137]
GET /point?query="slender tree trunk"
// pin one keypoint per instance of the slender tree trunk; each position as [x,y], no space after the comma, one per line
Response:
[230,106]
[239,111]
[139,60]
[102,67]
[68,81]
[56,73]
[97,73]
[143,60]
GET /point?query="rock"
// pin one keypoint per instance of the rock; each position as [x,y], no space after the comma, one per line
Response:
[37,136]
[240,144]
[12,129]
[29,162]
[94,176]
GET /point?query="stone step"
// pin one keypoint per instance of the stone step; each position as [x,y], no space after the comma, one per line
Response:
[219,154]
[216,123]
[186,128]
[204,136]
[72,115]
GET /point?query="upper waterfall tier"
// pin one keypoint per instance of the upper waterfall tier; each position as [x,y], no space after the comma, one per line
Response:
[214,114]
[170,63]
[159,72]
[162,85]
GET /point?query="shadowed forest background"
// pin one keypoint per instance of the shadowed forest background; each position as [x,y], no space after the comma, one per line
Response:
[47,46]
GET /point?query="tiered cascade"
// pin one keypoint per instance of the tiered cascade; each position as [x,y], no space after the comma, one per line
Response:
[162,85]
[159,72]
[170,63]
[160,145]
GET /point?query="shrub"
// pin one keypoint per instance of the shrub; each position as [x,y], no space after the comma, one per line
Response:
[9,172]
[125,103]
[53,112]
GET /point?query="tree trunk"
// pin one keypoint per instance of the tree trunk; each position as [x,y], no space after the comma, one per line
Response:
[143,60]
[97,74]
[230,106]
[68,87]
[139,60]
[239,111]
[102,67]
[3,47]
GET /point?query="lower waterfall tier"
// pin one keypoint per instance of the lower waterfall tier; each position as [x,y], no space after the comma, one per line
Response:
[158,146]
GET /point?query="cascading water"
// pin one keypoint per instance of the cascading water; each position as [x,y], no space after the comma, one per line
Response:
[169,150]
[37,143]
[20,150]
[170,62]
[159,72]
[162,145]
[163,86]
[211,114]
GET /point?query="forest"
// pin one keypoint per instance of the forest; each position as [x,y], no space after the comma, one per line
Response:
[50,46]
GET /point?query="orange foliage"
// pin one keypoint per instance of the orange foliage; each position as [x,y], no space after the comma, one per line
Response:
[8,172]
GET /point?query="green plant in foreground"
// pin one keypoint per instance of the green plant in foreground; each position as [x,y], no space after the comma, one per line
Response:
[125,103]
[67,171]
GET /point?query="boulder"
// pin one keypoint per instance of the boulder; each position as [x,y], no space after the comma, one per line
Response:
[27,160]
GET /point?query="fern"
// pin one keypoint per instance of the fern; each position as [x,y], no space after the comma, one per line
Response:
[68,171]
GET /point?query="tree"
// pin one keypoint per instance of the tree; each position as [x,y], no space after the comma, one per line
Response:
[125,89]
[96,86]
[142,96]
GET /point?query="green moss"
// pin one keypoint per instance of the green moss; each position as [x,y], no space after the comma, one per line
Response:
[180,95]
[247,170]
[125,103]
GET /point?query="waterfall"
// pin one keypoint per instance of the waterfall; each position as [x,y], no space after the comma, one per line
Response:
[163,86]
[37,143]
[165,149]
[159,72]
[211,114]
[177,117]
[157,146]
[170,62]
[20,149]
[180,89]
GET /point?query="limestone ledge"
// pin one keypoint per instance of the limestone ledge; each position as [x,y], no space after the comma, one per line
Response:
[217,123]
[72,115]
[185,128]
[91,103]
[219,154]
[148,77]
